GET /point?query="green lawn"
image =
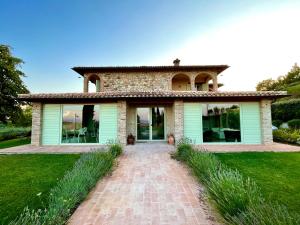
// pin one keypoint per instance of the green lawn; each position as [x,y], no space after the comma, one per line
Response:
[277,174]
[14,142]
[22,177]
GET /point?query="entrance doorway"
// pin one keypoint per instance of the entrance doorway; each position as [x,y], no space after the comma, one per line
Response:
[150,123]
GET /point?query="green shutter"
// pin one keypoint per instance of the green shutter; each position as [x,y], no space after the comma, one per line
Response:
[51,124]
[193,122]
[250,123]
[108,129]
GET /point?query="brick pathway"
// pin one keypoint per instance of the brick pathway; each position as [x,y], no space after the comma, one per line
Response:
[147,187]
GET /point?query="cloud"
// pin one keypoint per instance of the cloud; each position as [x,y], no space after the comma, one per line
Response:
[256,47]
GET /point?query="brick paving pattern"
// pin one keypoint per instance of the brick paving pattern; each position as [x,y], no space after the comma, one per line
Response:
[147,187]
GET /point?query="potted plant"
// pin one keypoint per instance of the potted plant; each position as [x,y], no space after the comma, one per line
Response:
[130,139]
[171,139]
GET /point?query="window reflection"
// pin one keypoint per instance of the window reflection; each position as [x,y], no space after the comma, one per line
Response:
[221,123]
[80,124]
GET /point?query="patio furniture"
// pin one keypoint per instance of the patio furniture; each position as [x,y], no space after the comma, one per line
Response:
[82,132]
[232,135]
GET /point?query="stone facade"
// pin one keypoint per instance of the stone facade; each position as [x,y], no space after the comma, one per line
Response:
[266,121]
[147,81]
[122,122]
[178,120]
[36,124]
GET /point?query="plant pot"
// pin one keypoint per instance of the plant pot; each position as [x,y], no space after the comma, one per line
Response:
[171,140]
[130,139]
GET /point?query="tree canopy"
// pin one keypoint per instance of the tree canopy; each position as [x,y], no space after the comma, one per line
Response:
[292,78]
[11,84]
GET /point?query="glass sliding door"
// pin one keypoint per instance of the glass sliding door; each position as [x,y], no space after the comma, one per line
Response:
[150,123]
[158,128]
[143,123]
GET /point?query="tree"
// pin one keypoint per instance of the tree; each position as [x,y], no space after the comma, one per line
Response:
[11,84]
[266,85]
[24,118]
[282,82]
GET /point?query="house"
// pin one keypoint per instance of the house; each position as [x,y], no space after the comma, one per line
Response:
[151,102]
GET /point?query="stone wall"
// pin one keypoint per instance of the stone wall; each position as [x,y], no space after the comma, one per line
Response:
[178,120]
[131,120]
[266,121]
[36,124]
[147,81]
[169,112]
[122,122]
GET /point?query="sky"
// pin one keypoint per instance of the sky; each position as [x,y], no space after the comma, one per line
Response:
[258,39]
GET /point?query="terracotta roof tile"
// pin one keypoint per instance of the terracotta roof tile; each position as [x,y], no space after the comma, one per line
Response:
[151,94]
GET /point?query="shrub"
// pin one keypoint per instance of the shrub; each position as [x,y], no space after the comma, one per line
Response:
[30,217]
[203,164]
[267,214]
[71,190]
[115,148]
[294,124]
[277,123]
[8,133]
[291,136]
[232,192]
[286,110]
[184,149]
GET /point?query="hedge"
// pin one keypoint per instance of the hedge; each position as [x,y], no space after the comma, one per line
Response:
[238,199]
[8,133]
[286,110]
[294,124]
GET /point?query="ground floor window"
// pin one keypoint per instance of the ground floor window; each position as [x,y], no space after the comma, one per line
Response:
[221,123]
[80,124]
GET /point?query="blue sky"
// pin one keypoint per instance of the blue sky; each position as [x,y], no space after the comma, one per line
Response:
[53,36]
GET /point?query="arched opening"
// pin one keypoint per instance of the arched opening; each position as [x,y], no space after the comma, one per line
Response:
[181,82]
[94,83]
[202,82]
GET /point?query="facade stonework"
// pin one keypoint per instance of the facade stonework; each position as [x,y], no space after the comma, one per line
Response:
[122,122]
[178,120]
[266,121]
[36,123]
[147,81]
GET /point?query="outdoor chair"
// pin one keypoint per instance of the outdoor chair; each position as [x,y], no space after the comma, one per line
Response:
[82,132]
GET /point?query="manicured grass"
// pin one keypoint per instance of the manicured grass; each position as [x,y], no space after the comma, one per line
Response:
[14,142]
[22,177]
[277,174]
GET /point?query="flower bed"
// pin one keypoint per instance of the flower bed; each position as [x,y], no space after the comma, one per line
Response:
[291,136]
[238,199]
[72,189]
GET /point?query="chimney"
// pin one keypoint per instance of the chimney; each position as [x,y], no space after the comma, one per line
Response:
[176,62]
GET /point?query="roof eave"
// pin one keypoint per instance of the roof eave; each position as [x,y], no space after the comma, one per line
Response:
[184,68]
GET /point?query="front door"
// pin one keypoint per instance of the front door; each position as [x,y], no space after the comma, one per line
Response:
[150,123]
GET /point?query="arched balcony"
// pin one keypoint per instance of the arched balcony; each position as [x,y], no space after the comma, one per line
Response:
[181,82]
[92,83]
[206,82]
